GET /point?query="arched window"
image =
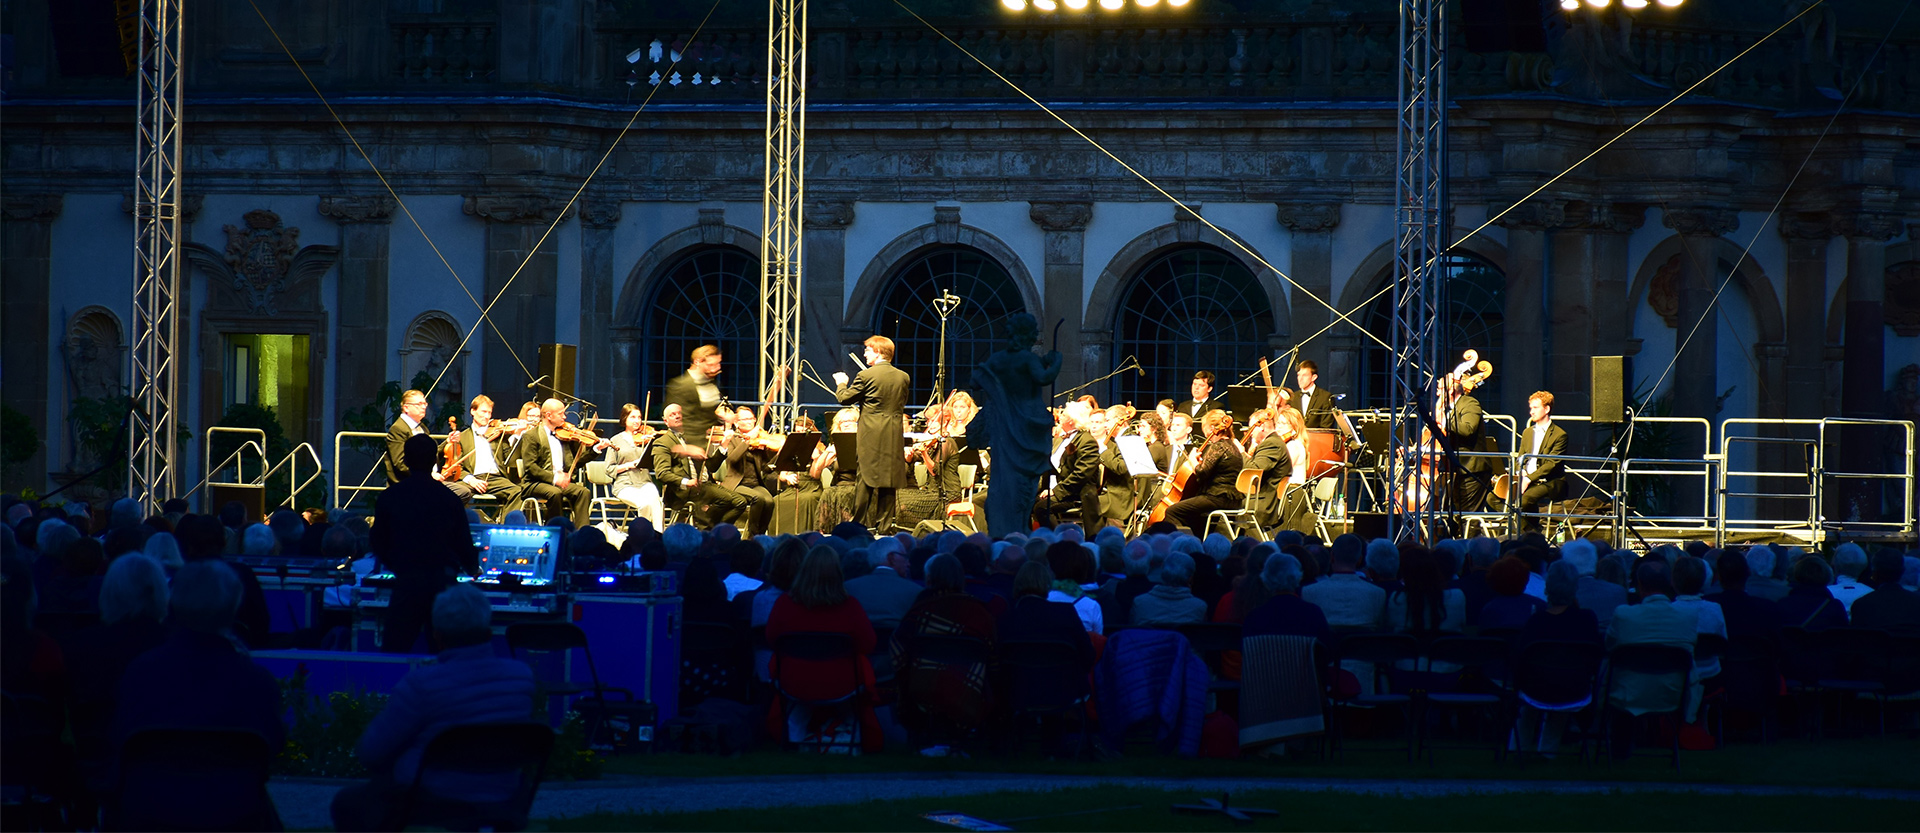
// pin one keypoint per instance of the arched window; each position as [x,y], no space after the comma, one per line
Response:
[710,296]
[1476,303]
[1190,309]
[905,313]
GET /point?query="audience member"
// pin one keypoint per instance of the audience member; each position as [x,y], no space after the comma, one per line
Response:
[1423,604]
[1752,622]
[941,699]
[466,684]
[1347,599]
[1073,572]
[1510,607]
[1171,601]
[1761,582]
[743,564]
[1551,699]
[420,533]
[1689,576]
[164,548]
[1654,621]
[1850,568]
[1807,604]
[1284,613]
[1596,595]
[883,592]
[1890,607]
[818,603]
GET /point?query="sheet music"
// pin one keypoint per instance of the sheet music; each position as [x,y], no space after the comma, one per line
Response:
[1133,448]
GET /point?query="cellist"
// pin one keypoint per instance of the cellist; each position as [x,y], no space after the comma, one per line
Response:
[1215,465]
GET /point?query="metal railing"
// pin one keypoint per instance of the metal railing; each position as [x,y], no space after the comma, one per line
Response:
[1603,467]
[371,474]
[291,461]
[1904,528]
[237,457]
[1728,497]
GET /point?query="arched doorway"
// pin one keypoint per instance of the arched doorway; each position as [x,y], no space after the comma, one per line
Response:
[1188,309]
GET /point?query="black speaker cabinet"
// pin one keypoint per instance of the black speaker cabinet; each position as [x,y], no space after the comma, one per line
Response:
[254,498]
[1609,390]
[557,362]
[1368,525]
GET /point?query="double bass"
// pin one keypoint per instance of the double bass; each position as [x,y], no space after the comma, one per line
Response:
[1432,454]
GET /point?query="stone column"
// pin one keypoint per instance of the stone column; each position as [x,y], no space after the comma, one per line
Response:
[1312,225]
[823,295]
[522,296]
[360,303]
[1063,291]
[1696,387]
[594,380]
[26,273]
[1807,236]
[1864,342]
[1588,276]
[1524,355]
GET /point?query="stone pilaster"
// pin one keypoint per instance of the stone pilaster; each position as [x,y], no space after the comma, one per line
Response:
[1696,388]
[1312,225]
[593,378]
[1807,235]
[520,285]
[360,302]
[1525,355]
[1587,271]
[1864,342]
[1062,291]
[26,273]
[823,294]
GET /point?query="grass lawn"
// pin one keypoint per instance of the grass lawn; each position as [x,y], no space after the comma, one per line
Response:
[1858,763]
[1115,808]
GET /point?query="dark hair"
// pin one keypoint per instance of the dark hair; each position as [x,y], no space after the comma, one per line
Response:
[1689,575]
[1034,579]
[1426,590]
[784,562]
[1508,576]
[1651,576]
[818,584]
[945,575]
[1733,570]
[1205,376]
[1309,366]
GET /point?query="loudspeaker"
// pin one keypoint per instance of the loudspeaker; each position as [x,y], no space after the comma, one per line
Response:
[557,362]
[1368,525]
[1506,25]
[254,498]
[1607,390]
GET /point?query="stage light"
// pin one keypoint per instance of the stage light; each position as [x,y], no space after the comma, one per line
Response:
[1634,4]
[1147,4]
[1076,5]
[1046,5]
[1570,5]
[1671,4]
[1178,3]
[1014,5]
[1113,5]
[1599,4]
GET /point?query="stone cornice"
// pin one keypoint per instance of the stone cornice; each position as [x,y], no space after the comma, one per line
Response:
[518,209]
[599,211]
[1308,217]
[1060,216]
[1867,225]
[357,209]
[1536,214]
[38,208]
[1806,225]
[1700,221]
[828,214]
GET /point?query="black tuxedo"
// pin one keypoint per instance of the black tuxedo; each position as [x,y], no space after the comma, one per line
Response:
[1077,483]
[1270,455]
[499,483]
[420,533]
[1466,430]
[541,470]
[397,435]
[1317,409]
[1548,482]
[712,503]
[1186,407]
[880,392]
[696,416]
[1116,485]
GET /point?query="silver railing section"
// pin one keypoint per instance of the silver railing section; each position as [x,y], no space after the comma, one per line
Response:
[372,475]
[237,457]
[291,461]
[1744,482]
[1903,527]
[1600,477]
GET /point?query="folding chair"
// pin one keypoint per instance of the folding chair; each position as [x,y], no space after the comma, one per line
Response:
[1381,650]
[512,754]
[819,648]
[1484,655]
[1651,661]
[626,722]
[602,485]
[1045,679]
[1558,676]
[1248,484]
[193,779]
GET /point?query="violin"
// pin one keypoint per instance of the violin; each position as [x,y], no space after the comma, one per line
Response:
[568,432]
[497,427]
[450,467]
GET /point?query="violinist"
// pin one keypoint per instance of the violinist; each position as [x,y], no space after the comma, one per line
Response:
[1076,468]
[940,455]
[547,458]
[836,500]
[680,473]
[750,451]
[631,467]
[1116,484]
[1271,455]
[796,505]
[1296,510]
[1216,465]
[481,457]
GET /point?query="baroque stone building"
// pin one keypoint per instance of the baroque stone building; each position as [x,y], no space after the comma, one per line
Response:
[311,285]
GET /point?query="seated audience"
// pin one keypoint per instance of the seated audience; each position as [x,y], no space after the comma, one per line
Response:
[1284,613]
[1511,606]
[1654,621]
[1596,595]
[1689,576]
[1032,618]
[466,684]
[1807,604]
[1761,582]
[1423,604]
[1890,607]
[885,593]
[1347,599]
[133,604]
[1850,568]
[818,603]
[940,700]
[1547,705]
[1171,602]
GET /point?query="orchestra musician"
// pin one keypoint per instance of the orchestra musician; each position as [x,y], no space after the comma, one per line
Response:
[940,454]
[1116,482]
[795,507]
[1076,469]
[836,498]
[1202,402]
[880,392]
[1216,465]
[630,464]
[1296,510]
[679,471]
[481,457]
[1541,480]
[1314,403]
[1461,417]
[413,415]
[1268,453]
[698,395]
[1179,437]
[547,459]
[750,454]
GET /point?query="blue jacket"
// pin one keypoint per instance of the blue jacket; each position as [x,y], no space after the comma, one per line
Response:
[198,680]
[1147,674]
[462,686]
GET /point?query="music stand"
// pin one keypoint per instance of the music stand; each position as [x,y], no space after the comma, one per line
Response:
[796,454]
[846,447]
[1243,400]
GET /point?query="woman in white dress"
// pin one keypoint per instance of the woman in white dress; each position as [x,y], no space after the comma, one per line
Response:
[631,467]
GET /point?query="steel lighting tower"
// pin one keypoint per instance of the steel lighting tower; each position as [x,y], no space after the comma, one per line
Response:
[1419,277]
[151,474]
[781,224]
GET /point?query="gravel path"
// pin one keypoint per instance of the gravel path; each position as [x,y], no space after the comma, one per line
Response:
[303,802]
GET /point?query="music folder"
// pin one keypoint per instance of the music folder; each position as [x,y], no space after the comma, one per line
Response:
[847,448]
[797,453]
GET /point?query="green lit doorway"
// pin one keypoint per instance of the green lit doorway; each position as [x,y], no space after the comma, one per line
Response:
[271,371]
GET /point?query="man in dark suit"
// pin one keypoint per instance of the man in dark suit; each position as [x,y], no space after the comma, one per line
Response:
[1460,415]
[1315,403]
[1076,471]
[679,471]
[1270,455]
[1541,480]
[698,396]
[413,415]
[546,459]
[880,392]
[1115,486]
[750,469]
[420,534]
[483,463]
[1202,401]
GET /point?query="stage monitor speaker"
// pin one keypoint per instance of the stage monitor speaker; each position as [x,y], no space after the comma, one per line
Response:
[557,362]
[253,497]
[1506,25]
[1368,525]
[1608,389]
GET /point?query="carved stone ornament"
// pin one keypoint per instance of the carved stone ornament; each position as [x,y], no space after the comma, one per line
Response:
[1536,214]
[1866,225]
[1060,216]
[1663,292]
[1903,298]
[1701,221]
[1309,217]
[1807,225]
[1186,223]
[829,214]
[946,224]
[350,210]
[525,209]
[262,262]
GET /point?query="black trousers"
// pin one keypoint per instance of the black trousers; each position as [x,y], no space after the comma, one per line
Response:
[574,500]
[1470,491]
[874,506]
[1538,494]
[410,614]
[1192,512]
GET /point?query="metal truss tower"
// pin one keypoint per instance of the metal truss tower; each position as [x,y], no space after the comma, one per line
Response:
[152,472]
[782,220]
[1419,276]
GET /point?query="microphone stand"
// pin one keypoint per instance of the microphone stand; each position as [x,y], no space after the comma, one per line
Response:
[1129,364]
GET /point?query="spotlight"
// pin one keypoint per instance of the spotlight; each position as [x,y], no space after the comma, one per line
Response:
[1147,4]
[1076,5]
[1046,5]
[1113,5]
[1570,5]
[1599,4]
[1014,5]
[1671,4]
[1634,4]
[1178,3]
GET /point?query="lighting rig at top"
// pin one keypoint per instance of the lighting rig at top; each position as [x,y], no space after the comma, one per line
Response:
[1629,5]
[1083,5]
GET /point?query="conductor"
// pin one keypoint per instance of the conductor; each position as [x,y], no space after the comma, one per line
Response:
[880,392]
